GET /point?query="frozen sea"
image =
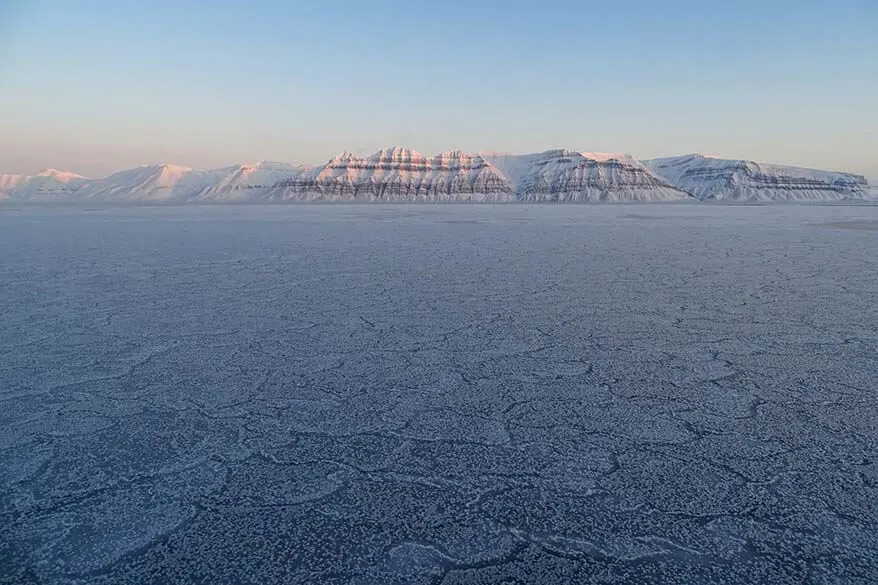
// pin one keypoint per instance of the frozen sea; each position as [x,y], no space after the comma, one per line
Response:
[439,394]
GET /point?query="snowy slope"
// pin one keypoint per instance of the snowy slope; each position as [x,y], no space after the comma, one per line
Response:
[399,174]
[160,182]
[49,184]
[740,180]
[564,175]
[8,182]
[251,182]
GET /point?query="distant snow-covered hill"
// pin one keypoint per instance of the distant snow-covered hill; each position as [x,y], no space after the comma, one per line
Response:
[151,183]
[403,175]
[49,184]
[251,182]
[741,180]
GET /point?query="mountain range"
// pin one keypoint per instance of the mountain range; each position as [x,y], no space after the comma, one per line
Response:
[403,175]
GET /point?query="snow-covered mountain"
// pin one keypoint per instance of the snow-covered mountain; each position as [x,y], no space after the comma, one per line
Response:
[400,174]
[741,180]
[564,175]
[158,182]
[49,184]
[252,182]
[8,182]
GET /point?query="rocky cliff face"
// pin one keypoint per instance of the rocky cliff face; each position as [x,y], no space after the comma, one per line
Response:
[563,175]
[398,174]
[741,180]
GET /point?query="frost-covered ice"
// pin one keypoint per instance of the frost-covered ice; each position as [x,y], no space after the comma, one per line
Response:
[439,394]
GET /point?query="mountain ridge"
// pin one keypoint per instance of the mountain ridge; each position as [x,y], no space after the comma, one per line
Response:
[404,175]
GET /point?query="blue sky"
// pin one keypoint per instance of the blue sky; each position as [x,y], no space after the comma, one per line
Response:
[94,86]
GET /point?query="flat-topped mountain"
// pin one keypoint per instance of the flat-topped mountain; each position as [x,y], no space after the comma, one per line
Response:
[564,175]
[742,180]
[399,174]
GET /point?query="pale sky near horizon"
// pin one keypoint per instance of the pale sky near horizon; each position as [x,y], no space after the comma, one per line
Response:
[95,86]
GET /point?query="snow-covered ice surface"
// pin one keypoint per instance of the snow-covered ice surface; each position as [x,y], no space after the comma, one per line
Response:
[439,394]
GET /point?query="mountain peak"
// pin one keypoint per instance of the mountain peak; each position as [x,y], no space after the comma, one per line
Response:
[265,165]
[172,167]
[397,154]
[343,156]
[158,166]
[63,176]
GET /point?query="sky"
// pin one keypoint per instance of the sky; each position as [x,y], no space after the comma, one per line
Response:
[95,86]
